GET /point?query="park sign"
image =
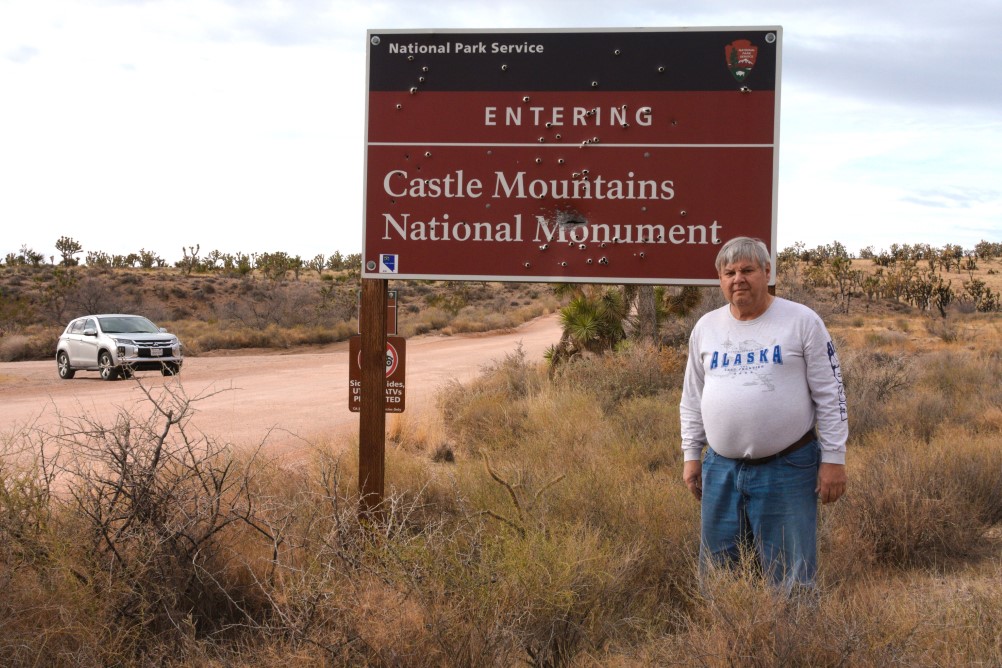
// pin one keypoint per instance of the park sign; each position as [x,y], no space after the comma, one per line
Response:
[600,156]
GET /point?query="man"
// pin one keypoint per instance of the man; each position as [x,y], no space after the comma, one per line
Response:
[763,389]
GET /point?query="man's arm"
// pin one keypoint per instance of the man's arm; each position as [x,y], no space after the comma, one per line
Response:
[692,475]
[691,417]
[824,379]
[832,480]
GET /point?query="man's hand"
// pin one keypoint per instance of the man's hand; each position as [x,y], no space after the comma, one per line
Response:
[692,475]
[831,482]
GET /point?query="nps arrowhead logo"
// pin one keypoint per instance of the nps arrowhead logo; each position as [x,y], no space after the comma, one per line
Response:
[741,55]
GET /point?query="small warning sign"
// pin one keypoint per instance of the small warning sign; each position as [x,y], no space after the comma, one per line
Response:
[396,347]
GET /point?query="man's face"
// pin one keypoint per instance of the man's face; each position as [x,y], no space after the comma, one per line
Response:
[745,285]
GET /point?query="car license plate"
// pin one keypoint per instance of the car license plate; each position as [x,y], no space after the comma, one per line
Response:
[156,352]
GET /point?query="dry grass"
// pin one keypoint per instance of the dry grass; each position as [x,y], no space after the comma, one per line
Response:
[534,519]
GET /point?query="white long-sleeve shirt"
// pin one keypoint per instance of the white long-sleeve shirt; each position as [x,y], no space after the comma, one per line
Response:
[753,387]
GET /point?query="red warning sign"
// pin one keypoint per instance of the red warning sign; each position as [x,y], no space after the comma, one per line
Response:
[396,348]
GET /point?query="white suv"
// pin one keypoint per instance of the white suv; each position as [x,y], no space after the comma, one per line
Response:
[115,344]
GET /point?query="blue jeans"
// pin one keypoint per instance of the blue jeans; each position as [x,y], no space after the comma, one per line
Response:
[768,509]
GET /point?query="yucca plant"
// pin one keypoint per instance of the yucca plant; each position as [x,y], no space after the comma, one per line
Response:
[594,321]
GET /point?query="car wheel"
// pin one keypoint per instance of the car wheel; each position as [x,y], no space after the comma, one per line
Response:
[108,370]
[170,369]
[63,366]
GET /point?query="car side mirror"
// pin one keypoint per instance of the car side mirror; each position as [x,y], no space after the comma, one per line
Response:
[90,332]
[163,330]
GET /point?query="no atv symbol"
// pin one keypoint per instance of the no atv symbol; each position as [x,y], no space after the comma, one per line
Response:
[392,360]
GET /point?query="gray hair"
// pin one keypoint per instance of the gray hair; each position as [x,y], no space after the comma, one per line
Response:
[743,248]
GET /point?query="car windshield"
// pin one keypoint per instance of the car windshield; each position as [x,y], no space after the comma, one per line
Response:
[128,325]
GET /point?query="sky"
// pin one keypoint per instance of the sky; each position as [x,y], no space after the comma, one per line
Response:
[238,125]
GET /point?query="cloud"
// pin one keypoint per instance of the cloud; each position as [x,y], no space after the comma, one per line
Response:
[22,54]
[928,53]
[955,198]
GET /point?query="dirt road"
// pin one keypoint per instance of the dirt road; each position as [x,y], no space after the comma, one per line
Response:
[284,400]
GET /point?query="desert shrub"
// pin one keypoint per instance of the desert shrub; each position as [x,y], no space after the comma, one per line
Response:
[625,489]
[411,433]
[945,388]
[232,338]
[30,616]
[285,305]
[922,391]
[943,329]
[871,379]
[18,347]
[573,585]
[470,591]
[636,370]
[961,376]
[480,319]
[127,557]
[429,319]
[652,423]
[918,504]
[321,335]
[473,320]
[95,294]
[739,620]
[928,412]
[477,419]
[199,338]
[160,313]
[16,310]
[576,465]
[887,339]
[886,620]
[490,411]
[588,562]
[417,288]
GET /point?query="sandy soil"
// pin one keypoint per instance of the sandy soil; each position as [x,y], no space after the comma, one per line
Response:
[284,400]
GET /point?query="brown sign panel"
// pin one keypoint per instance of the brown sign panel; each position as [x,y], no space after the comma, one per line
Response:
[391,312]
[396,349]
[602,156]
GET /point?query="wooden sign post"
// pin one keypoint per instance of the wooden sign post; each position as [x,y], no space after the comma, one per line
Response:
[372,416]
